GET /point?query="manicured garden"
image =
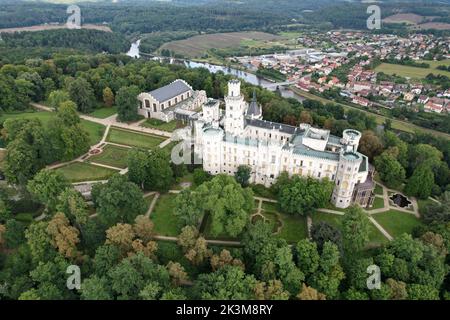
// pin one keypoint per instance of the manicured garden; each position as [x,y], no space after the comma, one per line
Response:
[81,171]
[397,222]
[166,223]
[111,155]
[161,125]
[134,139]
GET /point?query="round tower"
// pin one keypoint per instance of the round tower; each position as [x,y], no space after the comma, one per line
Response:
[235,108]
[351,139]
[346,178]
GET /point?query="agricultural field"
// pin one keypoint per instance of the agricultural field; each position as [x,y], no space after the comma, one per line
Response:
[198,46]
[408,18]
[113,156]
[81,171]
[409,72]
[129,138]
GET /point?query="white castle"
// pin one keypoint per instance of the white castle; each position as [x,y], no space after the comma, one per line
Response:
[240,136]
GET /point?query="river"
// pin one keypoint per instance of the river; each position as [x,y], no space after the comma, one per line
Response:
[243,75]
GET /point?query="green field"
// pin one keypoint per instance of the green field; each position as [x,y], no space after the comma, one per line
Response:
[379,190]
[378,203]
[161,125]
[112,156]
[410,72]
[166,223]
[397,222]
[94,130]
[129,138]
[198,46]
[294,228]
[80,171]
[104,112]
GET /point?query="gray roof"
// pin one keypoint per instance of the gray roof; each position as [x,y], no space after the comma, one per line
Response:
[271,125]
[254,109]
[170,91]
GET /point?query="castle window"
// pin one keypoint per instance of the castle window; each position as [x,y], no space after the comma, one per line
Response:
[273,159]
[176,100]
[319,174]
[147,104]
[339,182]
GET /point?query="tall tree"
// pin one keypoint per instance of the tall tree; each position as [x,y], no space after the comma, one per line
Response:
[108,97]
[81,93]
[46,186]
[118,200]
[421,182]
[127,103]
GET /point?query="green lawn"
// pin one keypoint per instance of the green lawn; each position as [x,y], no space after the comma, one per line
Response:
[161,125]
[269,206]
[81,171]
[166,223]
[94,130]
[410,72]
[376,238]
[133,139]
[294,228]
[103,112]
[397,222]
[112,156]
[378,203]
[378,190]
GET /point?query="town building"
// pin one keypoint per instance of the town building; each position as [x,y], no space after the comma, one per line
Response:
[240,136]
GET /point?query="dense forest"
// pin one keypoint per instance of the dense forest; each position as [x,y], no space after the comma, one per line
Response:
[83,40]
[213,16]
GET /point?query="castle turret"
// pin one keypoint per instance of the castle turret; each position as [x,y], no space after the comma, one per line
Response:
[346,178]
[235,108]
[350,139]
[254,110]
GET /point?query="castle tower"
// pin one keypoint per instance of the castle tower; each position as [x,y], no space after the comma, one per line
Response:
[348,169]
[351,139]
[235,108]
[346,178]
